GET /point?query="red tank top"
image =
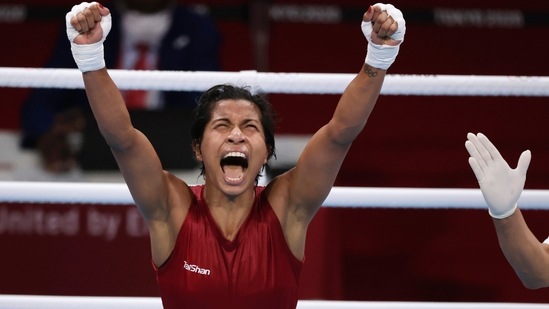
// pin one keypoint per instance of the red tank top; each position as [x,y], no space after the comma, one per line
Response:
[205,270]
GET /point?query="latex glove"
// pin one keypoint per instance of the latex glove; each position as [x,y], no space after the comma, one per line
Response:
[501,185]
[384,27]
[88,25]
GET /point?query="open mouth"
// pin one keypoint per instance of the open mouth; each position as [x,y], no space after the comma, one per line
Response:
[234,164]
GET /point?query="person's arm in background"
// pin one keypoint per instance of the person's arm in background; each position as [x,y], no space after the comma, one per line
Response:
[48,116]
[501,187]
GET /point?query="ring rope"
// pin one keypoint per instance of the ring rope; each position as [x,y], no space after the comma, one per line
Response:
[88,302]
[358,197]
[309,83]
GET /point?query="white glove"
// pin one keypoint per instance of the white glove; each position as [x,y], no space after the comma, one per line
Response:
[88,57]
[382,56]
[501,186]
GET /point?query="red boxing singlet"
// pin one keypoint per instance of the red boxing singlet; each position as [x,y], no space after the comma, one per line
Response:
[205,270]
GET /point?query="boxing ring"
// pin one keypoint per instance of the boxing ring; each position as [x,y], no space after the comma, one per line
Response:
[304,83]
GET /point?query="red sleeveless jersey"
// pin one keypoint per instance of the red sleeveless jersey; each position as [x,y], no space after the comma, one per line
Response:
[205,270]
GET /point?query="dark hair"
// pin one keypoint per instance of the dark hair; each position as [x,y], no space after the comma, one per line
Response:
[203,112]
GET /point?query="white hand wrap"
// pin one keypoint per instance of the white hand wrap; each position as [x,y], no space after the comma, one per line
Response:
[500,185]
[382,56]
[88,57]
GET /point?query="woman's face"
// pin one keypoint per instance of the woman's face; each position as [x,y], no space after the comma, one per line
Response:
[233,146]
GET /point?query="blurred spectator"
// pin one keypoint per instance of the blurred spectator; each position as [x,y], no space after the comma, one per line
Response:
[164,35]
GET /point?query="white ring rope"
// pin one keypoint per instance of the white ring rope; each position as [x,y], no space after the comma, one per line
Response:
[93,302]
[118,194]
[310,83]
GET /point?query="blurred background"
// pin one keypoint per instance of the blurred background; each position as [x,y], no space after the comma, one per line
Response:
[409,141]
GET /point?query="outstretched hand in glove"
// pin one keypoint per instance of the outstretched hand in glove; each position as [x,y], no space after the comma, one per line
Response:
[501,185]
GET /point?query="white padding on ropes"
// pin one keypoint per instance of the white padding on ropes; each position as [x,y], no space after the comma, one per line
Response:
[307,83]
[95,302]
[118,193]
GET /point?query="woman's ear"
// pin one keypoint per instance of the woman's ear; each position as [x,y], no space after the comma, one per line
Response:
[197,152]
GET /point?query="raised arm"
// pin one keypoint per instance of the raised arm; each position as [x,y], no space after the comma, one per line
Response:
[306,186]
[87,27]
[319,164]
[501,187]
